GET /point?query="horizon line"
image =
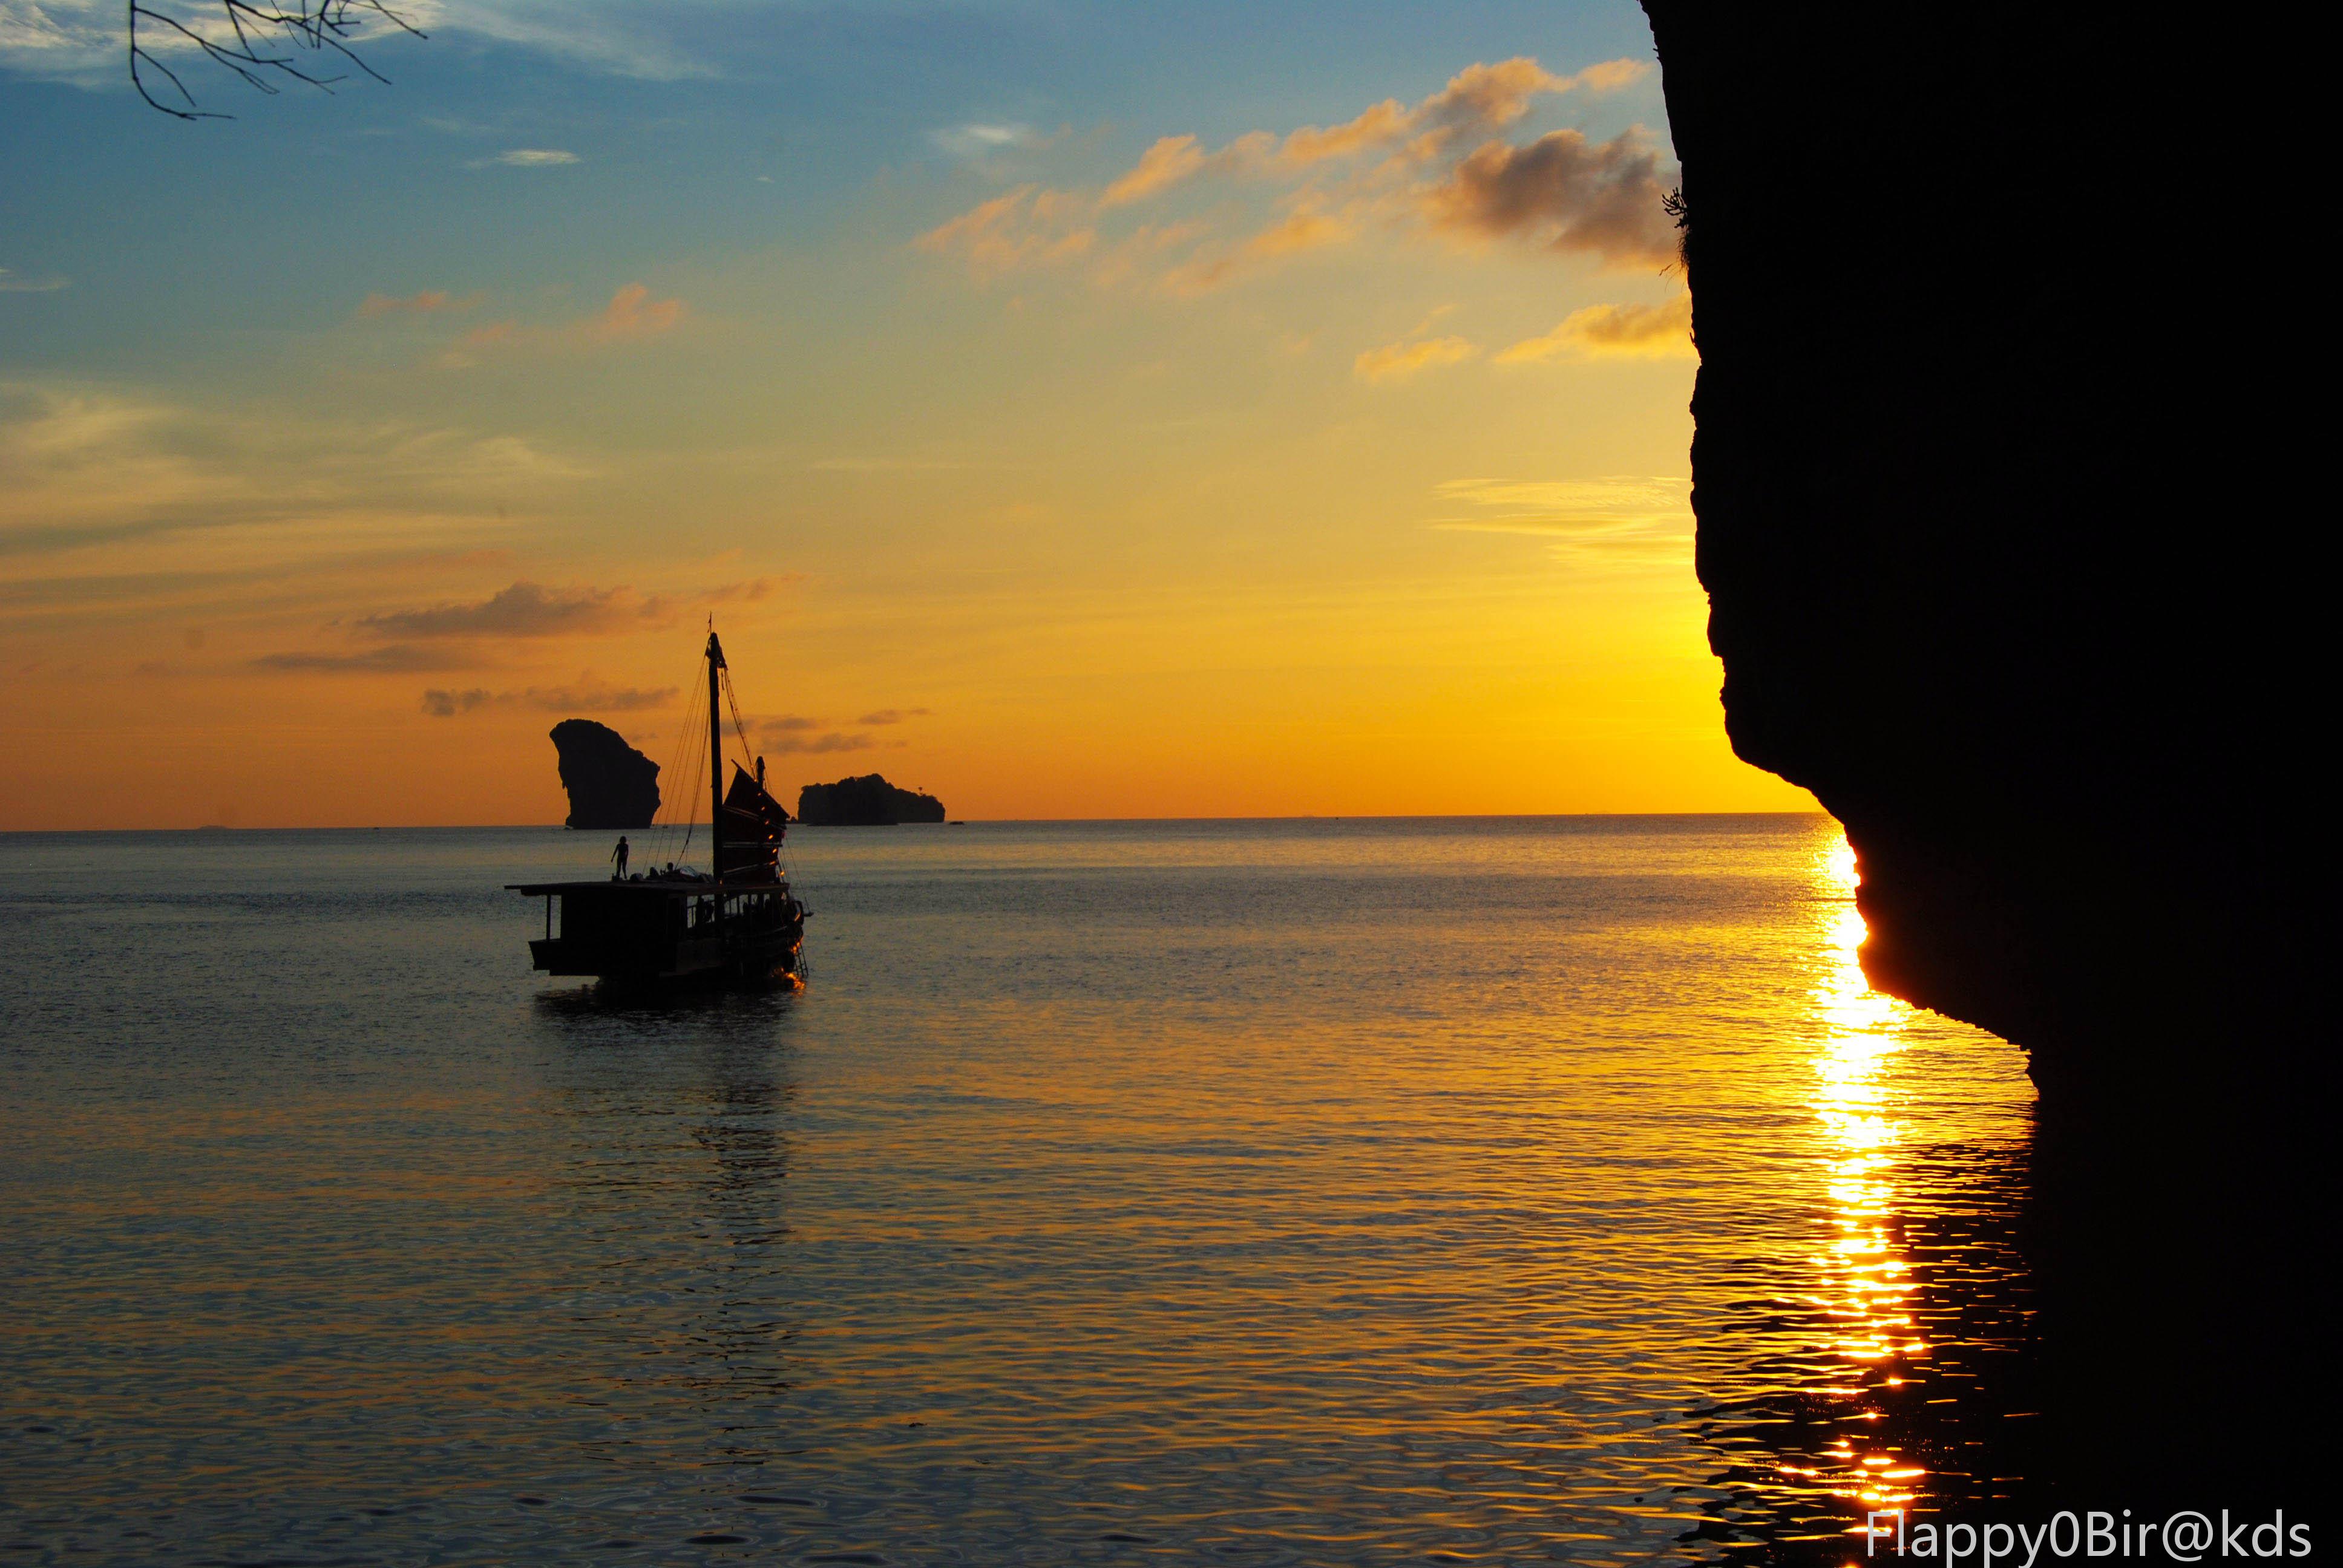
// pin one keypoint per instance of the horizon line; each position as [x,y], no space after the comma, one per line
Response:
[954,821]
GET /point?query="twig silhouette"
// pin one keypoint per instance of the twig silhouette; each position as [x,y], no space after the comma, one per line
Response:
[265,45]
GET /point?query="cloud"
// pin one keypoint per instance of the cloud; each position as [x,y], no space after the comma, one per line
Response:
[13,282]
[58,39]
[886,716]
[80,41]
[1029,227]
[795,733]
[1375,126]
[818,745]
[448,704]
[598,699]
[522,610]
[428,302]
[83,466]
[1390,167]
[1170,160]
[633,313]
[1298,232]
[1564,192]
[1631,522]
[751,591]
[1613,331]
[1397,361]
[1480,97]
[589,697]
[631,316]
[398,660]
[615,40]
[535,157]
[1610,76]
[978,142]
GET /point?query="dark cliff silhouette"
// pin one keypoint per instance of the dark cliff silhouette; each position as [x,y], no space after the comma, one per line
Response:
[867,801]
[1994,519]
[610,784]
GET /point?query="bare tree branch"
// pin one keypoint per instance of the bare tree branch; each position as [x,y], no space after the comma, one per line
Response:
[264,45]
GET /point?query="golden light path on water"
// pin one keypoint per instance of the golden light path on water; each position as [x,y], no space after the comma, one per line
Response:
[1866,1279]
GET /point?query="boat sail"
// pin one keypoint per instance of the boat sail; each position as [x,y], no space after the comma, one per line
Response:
[739,925]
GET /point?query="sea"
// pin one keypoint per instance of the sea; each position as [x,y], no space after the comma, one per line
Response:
[1284,1192]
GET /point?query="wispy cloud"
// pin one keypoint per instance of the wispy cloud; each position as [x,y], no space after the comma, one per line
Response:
[749,592]
[1170,160]
[16,282]
[819,745]
[590,697]
[887,715]
[535,157]
[1617,331]
[81,465]
[425,302]
[619,40]
[978,142]
[80,41]
[459,636]
[1028,226]
[1481,97]
[1627,521]
[396,659]
[632,316]
[448,704]
[795,733]
[525,610]
[1398,361]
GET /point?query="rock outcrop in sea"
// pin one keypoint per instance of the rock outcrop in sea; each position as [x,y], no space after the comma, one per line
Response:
[610,784]
[867,801]
[1999,498]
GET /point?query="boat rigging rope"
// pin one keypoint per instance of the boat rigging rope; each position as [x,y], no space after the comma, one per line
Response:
[739,729]
[675,809]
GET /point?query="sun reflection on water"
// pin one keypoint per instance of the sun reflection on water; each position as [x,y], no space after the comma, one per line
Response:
[1866,1278]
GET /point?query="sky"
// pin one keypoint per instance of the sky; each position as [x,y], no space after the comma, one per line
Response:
[1074,410]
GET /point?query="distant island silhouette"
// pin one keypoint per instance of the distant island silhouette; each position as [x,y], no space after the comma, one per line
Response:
[868,801]
[610,784]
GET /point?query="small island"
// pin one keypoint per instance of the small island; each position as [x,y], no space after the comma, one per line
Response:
[610,784]
[868,801]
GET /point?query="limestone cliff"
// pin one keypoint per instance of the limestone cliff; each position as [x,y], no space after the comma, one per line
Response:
[2000,480]
[1990,509]
[610,784]
[867,801]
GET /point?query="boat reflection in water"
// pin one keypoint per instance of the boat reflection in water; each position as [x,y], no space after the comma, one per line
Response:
[1899,1376]
[685,1313]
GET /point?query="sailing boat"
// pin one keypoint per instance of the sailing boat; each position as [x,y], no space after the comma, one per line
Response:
[739,925]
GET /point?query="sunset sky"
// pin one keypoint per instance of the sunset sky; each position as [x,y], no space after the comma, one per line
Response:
[1073,411]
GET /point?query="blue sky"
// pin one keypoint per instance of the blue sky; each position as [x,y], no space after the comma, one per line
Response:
[701,132]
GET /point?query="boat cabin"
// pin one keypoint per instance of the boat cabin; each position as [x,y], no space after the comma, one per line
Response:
[659,928]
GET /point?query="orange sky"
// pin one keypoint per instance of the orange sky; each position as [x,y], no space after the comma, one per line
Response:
[1210,460]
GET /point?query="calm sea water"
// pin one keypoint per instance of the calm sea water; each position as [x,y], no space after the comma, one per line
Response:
[1267,1191]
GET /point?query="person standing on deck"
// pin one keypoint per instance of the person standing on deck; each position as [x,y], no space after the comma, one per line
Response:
[619,860]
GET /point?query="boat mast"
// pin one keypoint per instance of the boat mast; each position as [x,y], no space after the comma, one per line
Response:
[715,767]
